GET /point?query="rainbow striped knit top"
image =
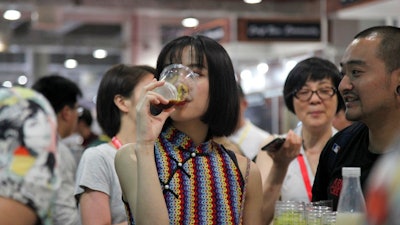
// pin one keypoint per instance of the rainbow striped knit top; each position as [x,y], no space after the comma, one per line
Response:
[201,184]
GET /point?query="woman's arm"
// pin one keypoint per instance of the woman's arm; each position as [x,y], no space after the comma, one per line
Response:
[140,185]
[135,163]
[252,212]
[16,213]
[95,208]
[273,167]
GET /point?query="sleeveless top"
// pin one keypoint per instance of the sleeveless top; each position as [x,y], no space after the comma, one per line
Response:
[201,184]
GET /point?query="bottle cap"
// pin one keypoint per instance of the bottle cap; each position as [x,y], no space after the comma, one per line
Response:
[351,171]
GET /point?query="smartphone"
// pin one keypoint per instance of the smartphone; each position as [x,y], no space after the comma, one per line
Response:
[274,145]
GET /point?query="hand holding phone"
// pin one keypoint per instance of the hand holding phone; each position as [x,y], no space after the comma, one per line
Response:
[274,145]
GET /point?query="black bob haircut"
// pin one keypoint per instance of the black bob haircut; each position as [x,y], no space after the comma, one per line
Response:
[313,69]
[121,80]
[223,109]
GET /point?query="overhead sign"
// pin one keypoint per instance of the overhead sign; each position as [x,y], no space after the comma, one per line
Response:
[278,30]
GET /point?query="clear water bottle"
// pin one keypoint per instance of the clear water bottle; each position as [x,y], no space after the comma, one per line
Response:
[351,207]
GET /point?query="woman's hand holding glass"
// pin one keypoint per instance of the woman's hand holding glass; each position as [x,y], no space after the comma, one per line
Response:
[148,126]
[178,88]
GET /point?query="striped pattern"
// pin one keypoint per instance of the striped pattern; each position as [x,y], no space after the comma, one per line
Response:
[201,184]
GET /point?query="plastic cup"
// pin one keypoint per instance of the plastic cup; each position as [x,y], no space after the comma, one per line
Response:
[329,218]
[178,88]
[289,213]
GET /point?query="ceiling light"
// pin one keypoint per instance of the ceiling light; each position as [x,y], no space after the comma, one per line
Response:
[99,53]
[246,75]
[252,1]
[12,14]
[289,65]
[190,22]
[70,63]
[262,68]
[7,83]
[22,80]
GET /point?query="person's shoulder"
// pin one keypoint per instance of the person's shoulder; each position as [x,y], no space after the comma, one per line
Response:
[228,144]
[61,146]
[98,150]
[351,130]
[96,142]
[125,158]
[244,162]
[356,126]
[65,153]
[344,139]
[126,151]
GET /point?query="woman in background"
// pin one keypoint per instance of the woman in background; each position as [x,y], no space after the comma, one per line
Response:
[310,92]
[97,189]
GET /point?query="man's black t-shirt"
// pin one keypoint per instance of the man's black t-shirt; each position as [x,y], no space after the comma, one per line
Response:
[351,145]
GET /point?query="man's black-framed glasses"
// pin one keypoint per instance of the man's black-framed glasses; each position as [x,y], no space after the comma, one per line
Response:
[323,93]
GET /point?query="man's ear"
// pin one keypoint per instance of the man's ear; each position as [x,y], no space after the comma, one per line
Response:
[396,73]
[121,103]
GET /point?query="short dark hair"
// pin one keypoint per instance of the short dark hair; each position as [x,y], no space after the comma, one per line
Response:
[313,69]
[389,47]
[121,80]
[223,108]
[60,91]
[86,117]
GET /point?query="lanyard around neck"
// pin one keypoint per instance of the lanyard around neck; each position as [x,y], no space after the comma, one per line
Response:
[304,173]
[116,142]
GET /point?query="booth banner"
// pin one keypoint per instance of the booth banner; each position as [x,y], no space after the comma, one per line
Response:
[278,30]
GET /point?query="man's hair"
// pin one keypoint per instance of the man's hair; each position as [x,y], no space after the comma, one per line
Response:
[59,90]
[389,47]
[86,117]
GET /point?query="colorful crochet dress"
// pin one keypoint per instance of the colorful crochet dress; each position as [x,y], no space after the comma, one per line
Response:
[201,184]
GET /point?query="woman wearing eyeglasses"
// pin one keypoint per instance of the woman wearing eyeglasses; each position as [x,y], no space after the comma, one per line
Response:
[310,92]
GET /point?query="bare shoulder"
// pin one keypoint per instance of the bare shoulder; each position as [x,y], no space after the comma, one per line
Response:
[126,150]
[125,155]
[228,144]
[242,161]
